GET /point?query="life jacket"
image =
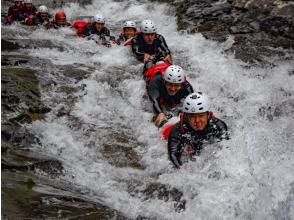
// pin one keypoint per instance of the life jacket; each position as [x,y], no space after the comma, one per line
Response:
[80,27]
[168,129]
[29,11]
[128,42]
[152,72]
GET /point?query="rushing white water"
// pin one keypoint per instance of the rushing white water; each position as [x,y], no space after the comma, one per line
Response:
[250,176]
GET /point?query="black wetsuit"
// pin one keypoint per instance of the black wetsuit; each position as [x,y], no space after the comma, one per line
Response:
[161,99]
[57,26]
[157,48]
[91,29]
[184,139]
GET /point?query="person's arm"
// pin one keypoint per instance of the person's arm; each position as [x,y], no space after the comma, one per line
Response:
[174,147]
[163,46]
[221,129]
[88,30]
[136,49]
[154,94]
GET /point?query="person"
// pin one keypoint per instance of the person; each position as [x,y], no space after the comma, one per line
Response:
[167,93]
[196,127]
[29,9]
[150,47]
[15,12]
[98,28]
[80,25]
[60,20]
[129,31]
[41,18]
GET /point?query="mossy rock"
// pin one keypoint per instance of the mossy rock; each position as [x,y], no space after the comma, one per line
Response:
[21,83]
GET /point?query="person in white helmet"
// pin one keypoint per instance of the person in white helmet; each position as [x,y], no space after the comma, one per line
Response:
[149,45]
[15,12]
[167,93]
[129,31]
[196,127]
[29,8]
[42,18]
[97,27]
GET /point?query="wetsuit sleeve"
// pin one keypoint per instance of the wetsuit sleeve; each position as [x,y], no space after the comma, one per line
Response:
[154,93]
[136,49]
[175,146]
[105,33]
[221,130]
[163,46]
[88,30]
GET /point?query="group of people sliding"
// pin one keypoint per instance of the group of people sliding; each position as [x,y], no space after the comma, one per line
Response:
[166,84]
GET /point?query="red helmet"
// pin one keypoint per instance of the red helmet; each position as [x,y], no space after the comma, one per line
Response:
[60,16]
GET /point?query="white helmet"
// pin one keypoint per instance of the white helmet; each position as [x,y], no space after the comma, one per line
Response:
[99,19]
[195,103]
[174,74]
[129,24]
[28,1]
[43,9]
[148,27]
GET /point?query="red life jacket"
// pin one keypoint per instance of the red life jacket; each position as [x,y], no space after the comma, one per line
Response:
[128,42]
[80,27]
[167,131]
[152,72]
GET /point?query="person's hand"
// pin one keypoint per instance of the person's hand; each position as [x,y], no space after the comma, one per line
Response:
[147,57]
[168,59]
[160,119]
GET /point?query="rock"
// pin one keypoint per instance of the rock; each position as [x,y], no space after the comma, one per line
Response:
[258,25]
[278,26]
[25,196]
[8,45]
[241,29]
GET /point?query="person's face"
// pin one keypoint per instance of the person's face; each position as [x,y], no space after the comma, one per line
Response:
[28,5]
[198,121]
[172,88]
[149,38]
[61,21]
[129,32]
[18,3]
[44,15]
[99,26]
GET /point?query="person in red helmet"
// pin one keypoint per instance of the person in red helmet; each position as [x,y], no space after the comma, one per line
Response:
[15,12]
[29,9]
[60,20]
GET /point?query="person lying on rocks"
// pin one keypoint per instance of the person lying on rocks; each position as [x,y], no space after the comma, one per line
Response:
[60,20]
[42,18]
[29,9]
[97,28]
[196,127]
[167,93]
[129,31]
[149,46]
[15,12]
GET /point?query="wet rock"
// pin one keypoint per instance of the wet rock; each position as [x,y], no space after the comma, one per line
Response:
[26,197]
[250,18]
[121,156]
[8,45]
[159,191]
[74,72]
